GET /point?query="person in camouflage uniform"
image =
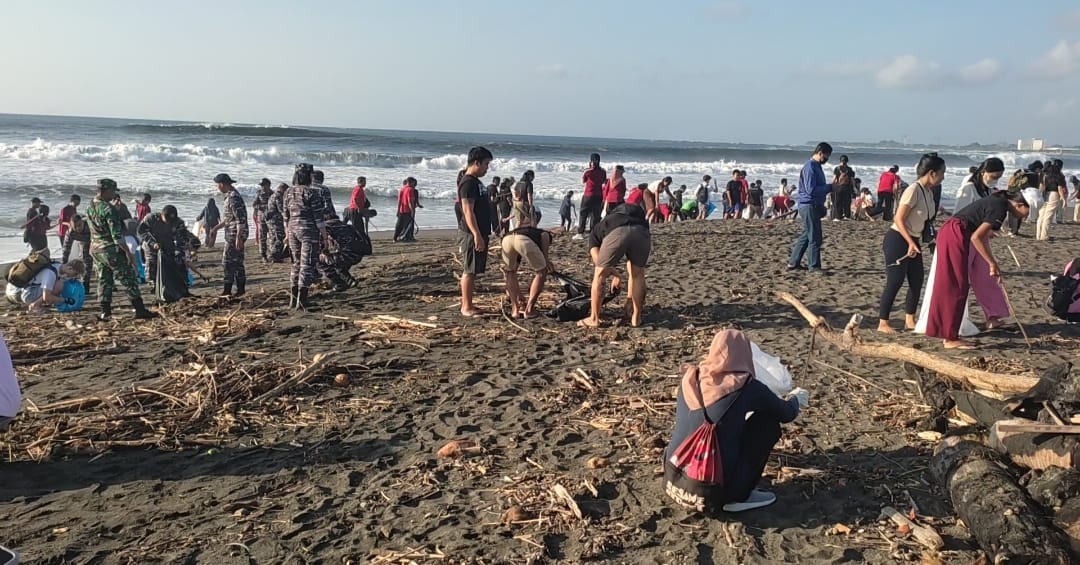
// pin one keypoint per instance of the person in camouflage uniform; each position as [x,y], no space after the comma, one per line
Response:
[258,211]
[111,255]
[306,217]
[345,248]
[275,218]
[235,221]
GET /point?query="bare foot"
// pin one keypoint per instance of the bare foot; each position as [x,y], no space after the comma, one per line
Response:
[474,313]
[959,344]
[635,321]
[589,323]
[885,328]
[909,324]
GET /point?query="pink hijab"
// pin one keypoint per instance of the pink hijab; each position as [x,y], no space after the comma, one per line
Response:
[727,368]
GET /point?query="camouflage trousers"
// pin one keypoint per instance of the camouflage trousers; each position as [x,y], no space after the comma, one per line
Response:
[264,237]
[112,264]
[232,262]
[276,240]
[337,265]
[304,245]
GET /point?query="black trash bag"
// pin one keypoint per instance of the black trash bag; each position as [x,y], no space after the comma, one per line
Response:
[578,303]
[172,279]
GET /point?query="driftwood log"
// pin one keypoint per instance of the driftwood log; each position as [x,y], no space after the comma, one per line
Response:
[1007,524]
[849,341]
[1037,446]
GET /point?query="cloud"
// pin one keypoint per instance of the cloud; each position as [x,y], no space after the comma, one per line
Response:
[556,70]
[908,72]
[983,71]
[1059,62]
[727,10]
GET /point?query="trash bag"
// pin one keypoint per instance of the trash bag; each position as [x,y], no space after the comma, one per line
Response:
[578,302]
[769,371]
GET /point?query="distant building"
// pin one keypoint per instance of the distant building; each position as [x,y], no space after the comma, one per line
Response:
[1030,144]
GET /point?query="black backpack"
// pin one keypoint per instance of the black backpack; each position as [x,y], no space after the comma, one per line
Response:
[1063,290]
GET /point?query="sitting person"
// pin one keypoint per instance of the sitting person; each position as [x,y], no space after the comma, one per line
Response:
[10,397]
[863,202]
[622,234]
[528,245]
[48,287]
[347,247]
[722,390]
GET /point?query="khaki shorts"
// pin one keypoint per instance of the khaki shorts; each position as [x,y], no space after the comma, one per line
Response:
[633,243]
[517,248]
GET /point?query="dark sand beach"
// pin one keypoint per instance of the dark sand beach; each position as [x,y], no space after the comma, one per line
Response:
[323,473]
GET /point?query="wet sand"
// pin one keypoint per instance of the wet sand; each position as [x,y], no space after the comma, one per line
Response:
[338,474]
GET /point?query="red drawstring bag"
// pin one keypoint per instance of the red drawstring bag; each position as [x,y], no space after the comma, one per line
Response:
[694,473]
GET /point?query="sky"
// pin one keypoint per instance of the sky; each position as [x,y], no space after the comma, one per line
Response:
[923,71]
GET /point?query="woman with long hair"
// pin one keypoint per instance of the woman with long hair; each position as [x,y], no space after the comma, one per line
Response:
[614,191]
[1055,192]
[967,262]
[902,243]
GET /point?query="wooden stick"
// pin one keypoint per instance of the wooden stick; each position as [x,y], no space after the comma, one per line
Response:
[1039,428]
[924,534]
[562,494]
[1013,312]
[298,379]
[995,382]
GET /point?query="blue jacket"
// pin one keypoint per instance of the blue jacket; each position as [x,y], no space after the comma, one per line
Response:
[812,185]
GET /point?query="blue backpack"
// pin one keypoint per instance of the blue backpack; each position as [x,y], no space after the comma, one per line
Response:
[74,295]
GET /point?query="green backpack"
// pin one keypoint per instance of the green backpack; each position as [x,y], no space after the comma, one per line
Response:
[25,270]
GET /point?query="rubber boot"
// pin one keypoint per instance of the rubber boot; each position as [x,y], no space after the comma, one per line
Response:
[294,292]
[240,287]
[141,313]
[302,302]
[228,290]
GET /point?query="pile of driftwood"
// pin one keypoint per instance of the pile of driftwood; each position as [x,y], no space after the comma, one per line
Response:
[1011,470]
[200,404]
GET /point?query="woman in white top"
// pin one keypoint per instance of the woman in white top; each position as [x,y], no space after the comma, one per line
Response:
[980,183]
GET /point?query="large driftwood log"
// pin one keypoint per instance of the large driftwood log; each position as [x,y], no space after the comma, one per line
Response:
[849,341]
[1036,446]
[1008,525]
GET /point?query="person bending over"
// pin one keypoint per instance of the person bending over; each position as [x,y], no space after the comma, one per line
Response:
[529,246]
[622,234]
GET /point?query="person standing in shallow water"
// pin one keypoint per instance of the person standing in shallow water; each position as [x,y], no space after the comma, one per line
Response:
[235,223]
[810,202]
[474,226]
[112,257]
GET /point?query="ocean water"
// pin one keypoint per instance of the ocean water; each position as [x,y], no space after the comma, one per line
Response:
[52,157]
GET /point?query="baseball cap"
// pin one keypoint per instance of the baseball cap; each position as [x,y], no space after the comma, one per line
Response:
[106,184]
[223,178]
[264,182]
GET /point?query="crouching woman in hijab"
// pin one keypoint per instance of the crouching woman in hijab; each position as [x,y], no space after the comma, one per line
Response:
[717,455]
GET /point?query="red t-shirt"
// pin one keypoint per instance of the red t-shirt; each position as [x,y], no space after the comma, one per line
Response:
[636,197]
[888,180]
[594,178]
[615,194]
[141,211]
[359,198]
[407,198]
[66,214]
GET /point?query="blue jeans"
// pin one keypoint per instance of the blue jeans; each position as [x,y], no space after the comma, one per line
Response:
[810,237]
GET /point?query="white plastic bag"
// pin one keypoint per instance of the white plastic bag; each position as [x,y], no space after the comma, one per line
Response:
[770,371]
[1034,199]
[967,327]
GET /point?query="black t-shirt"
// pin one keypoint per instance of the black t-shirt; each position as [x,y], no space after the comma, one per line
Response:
[990,210]
[734,191]
[756,196]
[617,217]
[535,234]
[493,191]
[1053,182]
[470,188]
[845,176]
[1032,178]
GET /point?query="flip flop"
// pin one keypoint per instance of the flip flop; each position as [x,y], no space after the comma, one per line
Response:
[962,347]
[531,316]
[582,324]
[472,314]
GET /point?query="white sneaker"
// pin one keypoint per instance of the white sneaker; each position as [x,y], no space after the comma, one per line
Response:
[578,236]
[757,499]
[836,219]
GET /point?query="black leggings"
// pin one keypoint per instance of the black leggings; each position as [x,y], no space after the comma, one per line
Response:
[911,269]
[759,437]
[885,204]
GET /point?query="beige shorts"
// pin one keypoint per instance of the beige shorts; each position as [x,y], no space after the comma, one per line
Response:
[518,249]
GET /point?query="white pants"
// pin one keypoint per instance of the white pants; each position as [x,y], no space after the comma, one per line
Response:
[1046,215]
